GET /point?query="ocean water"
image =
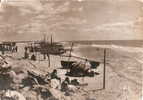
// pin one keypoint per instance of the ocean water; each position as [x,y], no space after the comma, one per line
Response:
[96,51]
[128,43]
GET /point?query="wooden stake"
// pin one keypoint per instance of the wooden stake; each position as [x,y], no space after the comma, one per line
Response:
[49,60]
[104,71]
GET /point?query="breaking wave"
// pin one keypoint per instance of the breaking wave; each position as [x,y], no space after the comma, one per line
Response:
[122,48]
[89,51]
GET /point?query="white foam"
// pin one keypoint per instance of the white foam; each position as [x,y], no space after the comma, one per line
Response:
[122,48]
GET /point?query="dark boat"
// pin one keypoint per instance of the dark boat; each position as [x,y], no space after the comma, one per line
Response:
[67,64]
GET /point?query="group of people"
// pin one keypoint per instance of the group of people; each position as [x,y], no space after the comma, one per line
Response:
[29,50]
[26,54]
[10,48]
[66,82]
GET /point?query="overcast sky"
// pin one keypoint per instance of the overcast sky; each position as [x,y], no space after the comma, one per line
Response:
[71,19]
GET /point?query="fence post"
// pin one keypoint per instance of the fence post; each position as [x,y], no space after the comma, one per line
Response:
[104,71]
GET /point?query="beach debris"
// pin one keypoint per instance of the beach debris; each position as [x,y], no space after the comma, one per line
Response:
[18,81]
[47,93]
[69,87]
[37,78]
[5,81]
[12,95]
[4,66]
[75,82]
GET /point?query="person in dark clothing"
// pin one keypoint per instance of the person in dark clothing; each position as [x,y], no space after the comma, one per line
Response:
[16,48]
[33,57]
[54,75]
[67,80]
[3,50]
[26,49]
[64,86]
[26,55]
[65,83]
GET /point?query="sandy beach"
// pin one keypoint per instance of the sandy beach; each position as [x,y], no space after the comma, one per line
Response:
[123,71]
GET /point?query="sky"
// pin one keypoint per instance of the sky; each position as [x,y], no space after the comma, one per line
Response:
[71,19]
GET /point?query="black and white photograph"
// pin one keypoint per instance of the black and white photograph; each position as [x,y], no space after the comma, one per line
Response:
[71,49]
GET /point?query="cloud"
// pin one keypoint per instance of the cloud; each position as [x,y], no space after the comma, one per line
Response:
[140,1]
[117,25]
[71,19]
[116,30]
[111,26]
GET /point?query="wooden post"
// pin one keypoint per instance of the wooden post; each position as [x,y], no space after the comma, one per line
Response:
[49,60]
[70,55]
[104,71]
[70,52]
